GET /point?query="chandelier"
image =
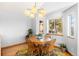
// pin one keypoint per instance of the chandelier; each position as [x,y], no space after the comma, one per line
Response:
[34,12]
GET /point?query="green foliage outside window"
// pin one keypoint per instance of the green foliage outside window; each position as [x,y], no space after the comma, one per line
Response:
[55,25]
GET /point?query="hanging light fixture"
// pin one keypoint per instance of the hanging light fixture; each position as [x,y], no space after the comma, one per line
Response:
[32,12]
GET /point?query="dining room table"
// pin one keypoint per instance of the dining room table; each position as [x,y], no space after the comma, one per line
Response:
[43,45]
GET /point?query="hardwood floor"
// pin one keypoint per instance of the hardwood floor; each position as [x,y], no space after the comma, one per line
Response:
[11,51]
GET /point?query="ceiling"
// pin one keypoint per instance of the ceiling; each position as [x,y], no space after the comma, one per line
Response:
[54,6]
[49,6]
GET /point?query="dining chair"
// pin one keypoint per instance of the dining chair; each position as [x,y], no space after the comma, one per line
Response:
[48,47]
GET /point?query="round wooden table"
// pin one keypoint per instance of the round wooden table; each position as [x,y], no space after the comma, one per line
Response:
[41,46]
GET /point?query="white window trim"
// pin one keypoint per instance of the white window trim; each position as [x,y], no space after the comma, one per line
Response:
[69,29]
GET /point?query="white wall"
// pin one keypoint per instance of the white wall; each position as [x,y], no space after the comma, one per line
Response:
[71,43]
[78,32]
[35,25]
[13,24]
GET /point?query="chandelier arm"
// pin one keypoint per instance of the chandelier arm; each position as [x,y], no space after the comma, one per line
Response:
[34,11]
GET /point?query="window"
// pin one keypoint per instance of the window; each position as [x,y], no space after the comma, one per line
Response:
[41,27]
[71,21]
[55,26]
[51,26]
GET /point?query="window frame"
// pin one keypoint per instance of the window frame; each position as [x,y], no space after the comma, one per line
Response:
[56,30]
[71,24]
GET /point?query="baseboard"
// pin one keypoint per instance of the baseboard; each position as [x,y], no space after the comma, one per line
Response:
[12,45]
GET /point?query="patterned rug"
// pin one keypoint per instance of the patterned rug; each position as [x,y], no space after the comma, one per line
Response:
[54,52]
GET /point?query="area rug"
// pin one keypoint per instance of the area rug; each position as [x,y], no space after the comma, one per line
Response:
[54,52]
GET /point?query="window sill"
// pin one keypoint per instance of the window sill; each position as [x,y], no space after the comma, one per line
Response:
[71,37]
[56,34]
[59,34]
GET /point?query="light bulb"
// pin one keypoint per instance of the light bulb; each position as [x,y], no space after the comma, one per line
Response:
[27,12]
[42,13]
[33,10]
[32,15]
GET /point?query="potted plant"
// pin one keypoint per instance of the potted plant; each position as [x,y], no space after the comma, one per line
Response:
[30,32]
[63,47]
